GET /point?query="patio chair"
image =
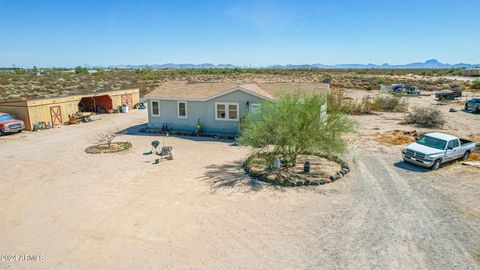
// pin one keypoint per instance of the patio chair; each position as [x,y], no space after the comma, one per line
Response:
[167,152]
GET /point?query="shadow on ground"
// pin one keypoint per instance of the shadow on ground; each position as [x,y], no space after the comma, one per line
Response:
[136,131]
[410,167]
[231,175]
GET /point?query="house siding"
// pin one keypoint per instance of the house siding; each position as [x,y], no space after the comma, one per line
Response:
[203,110]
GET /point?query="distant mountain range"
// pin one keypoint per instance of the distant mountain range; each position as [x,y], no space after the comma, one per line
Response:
[432,63]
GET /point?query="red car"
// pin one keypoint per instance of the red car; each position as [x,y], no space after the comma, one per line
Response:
[10,125]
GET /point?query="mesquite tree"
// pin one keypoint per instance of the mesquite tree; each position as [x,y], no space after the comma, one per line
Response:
[296,124]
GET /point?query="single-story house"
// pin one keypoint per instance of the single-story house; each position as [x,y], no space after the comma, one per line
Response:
[179,105]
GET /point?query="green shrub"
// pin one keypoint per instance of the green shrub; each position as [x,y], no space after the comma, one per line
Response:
[427,117]
[381,80]
[81,70]
[388,104]
[476,84]
[367,105]
[294,125]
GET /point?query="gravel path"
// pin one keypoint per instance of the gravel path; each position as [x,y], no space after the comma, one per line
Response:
[400,222]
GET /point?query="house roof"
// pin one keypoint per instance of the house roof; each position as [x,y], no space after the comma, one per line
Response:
[182,90]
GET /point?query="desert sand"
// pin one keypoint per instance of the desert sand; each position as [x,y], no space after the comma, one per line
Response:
[199,211]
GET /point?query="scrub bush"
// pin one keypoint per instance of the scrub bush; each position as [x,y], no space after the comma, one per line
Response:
[426,117]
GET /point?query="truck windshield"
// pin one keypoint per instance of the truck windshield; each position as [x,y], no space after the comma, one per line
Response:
[432,142]
[5,117]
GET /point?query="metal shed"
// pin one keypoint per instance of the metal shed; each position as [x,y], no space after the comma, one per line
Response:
[56,110]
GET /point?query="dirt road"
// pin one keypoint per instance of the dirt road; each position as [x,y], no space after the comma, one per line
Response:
[200,211]
[398,221]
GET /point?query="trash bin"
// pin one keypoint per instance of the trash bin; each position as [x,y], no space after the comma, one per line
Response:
[125,108]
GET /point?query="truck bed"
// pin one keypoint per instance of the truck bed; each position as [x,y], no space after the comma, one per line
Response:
[464,141]
[467,144]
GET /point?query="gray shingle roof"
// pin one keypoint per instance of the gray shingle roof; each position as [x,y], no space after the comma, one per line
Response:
[179,90]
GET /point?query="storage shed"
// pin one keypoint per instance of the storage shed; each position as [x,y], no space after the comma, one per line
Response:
[56,110]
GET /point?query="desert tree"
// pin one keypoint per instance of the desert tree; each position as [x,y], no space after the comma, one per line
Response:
[107,137]
[296,124]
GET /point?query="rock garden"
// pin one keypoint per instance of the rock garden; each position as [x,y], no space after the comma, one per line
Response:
[309,170]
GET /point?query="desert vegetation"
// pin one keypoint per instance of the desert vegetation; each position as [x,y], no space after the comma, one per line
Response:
[105,143]
[366,105]
[476,84]
[18,83]
[427,117]
[295,125]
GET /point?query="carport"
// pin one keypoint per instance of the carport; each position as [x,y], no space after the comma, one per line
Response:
[96,103]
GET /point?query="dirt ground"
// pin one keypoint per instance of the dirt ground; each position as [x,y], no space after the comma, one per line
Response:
[199,211]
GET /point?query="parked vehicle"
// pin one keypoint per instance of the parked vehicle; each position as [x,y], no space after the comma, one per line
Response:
[448,94]
[433,149]
[473,105]
[408,89]
[10,125]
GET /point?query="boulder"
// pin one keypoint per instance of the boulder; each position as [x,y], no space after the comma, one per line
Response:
[271,178]
[299,183]
[315,182]
[280,181]
[291,183]
[324,181]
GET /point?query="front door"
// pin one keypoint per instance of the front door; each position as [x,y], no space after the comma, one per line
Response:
[56,115]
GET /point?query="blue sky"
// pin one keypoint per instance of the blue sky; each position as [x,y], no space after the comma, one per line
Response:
[70,33]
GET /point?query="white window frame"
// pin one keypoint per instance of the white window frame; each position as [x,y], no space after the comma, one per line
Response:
[226,111]
[178,109]
[151,111]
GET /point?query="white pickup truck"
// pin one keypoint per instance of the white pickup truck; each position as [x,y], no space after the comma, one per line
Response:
[433,149]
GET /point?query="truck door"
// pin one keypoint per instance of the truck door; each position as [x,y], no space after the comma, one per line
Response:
[453,150]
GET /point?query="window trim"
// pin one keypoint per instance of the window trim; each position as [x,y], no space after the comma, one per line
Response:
[178,109]
[226,111]
[151,111]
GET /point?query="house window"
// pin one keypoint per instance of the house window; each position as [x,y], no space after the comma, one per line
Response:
[156,108]
[221,111]
[232,111]
[226,111]
[182,109]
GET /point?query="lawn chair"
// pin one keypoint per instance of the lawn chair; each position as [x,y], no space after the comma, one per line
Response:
[166,153]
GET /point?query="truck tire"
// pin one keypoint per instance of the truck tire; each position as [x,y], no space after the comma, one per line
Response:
[466,155]
[436,165]
[2,133]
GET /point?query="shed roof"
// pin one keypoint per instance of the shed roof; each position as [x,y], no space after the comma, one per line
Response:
[47,100]
[183,90]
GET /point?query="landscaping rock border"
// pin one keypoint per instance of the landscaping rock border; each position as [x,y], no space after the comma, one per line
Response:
[284,178]
[94,149]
